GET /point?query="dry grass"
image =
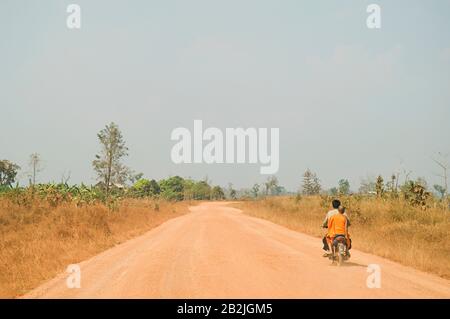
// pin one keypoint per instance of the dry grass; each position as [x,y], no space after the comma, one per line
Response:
[40,241]
[387,228]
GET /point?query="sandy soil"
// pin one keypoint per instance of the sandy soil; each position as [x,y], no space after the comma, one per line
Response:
[217,252]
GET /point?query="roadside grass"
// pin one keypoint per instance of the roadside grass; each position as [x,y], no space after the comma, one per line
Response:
[38,241]
[387,228]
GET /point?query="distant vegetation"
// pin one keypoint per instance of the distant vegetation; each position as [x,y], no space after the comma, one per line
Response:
[413,192]
[113,176]
[117,181]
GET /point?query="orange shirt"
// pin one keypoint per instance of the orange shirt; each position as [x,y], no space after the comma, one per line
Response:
[337,224]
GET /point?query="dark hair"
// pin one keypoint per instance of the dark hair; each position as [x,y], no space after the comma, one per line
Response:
[336,203]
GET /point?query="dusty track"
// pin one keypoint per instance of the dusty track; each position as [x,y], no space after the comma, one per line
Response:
[217,252]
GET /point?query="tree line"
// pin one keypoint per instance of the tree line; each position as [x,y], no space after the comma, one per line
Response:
[416,192]
[114,177]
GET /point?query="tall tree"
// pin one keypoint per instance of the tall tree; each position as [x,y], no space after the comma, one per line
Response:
[367,186]
[255,190]
[391,186]
[311,183]
[217,193]
[344,187]
[232,193]
[35,167]
[107,164]
[443,164]
[379,186]
[440,189]
[271,185]
[8,172]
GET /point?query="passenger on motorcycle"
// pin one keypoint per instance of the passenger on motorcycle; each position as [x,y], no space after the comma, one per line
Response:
[335,204]
[338,227]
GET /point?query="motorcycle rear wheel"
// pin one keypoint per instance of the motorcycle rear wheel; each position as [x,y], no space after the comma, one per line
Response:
[340,254]
[340,259]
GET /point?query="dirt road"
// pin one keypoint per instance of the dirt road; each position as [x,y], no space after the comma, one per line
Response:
[215,251]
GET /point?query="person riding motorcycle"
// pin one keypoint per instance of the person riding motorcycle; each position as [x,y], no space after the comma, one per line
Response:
[335,204]
[338,227]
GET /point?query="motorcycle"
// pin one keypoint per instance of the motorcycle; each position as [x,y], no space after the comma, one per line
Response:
[339,251]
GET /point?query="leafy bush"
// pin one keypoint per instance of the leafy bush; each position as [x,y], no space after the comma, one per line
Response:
[217,193]
[172,188]
[145,188]
[416,194]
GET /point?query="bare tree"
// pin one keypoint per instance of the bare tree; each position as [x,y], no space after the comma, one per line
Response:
[396,175]
[311,183]
[443,164]
[35,167]
[65,177]
[108,164]
[397,178]
[406,173]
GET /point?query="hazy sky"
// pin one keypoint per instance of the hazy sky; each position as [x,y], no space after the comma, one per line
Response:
[350,102]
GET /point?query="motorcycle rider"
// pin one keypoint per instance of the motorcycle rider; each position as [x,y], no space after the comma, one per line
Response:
[338,226]
[335,204]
